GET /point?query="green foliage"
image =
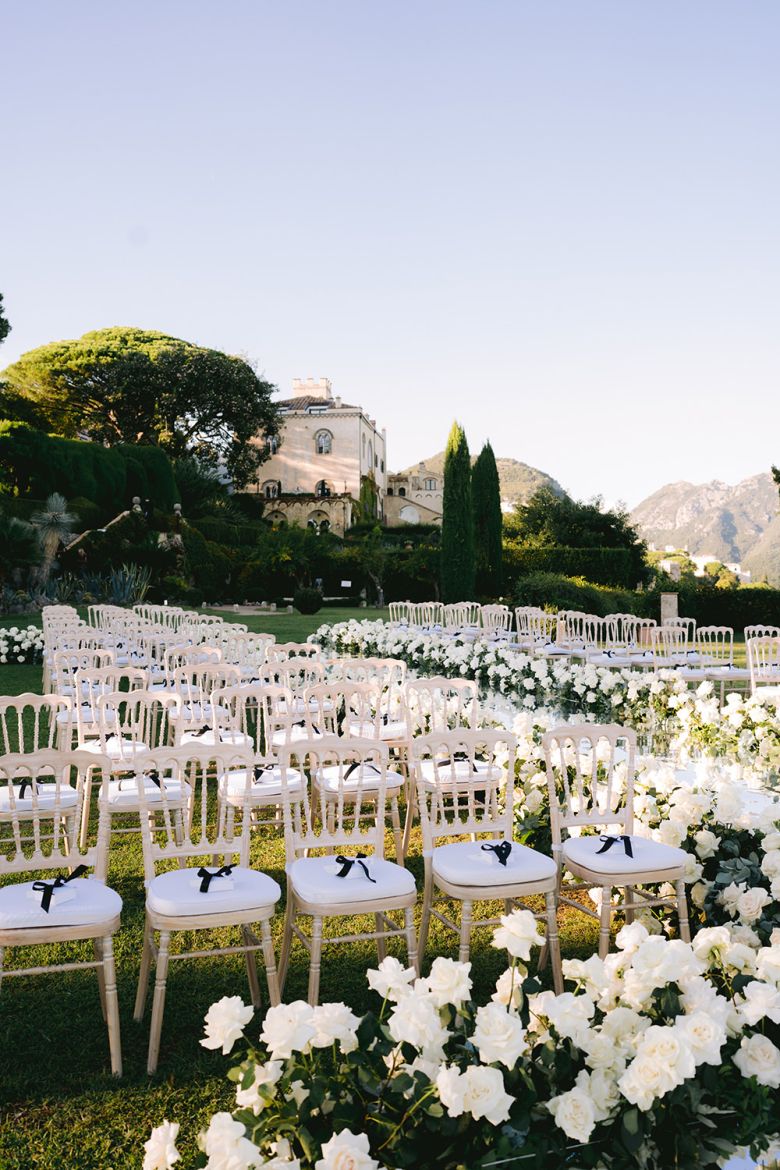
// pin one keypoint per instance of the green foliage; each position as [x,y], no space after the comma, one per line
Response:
[200,487]
[603,566]
[86,512]
[5,326]
[488,524]
[552,521]
[368,503]
[307,600]
[54,526]
[149,474]
[457,530]
[126,385]
[552,591]
[19,546]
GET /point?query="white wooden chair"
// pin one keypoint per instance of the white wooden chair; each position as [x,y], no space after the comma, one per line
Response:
[590,780]
[194,684]
[763,658]
[483,862]
[211,885]
[282,651]
[399,612]
[31,723]
[496,619]
[761,632]
[385,672]
[38,837]
[65,664]
[324,882]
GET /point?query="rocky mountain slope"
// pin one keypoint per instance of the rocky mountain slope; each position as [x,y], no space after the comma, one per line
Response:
[732,523]
[518,480]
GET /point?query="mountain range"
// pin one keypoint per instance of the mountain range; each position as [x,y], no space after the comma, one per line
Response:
[518,480]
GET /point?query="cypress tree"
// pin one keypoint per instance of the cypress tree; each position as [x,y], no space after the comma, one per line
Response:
[457,526]
[488,524]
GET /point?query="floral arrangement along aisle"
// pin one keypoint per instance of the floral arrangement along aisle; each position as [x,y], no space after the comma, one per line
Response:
[663,1055]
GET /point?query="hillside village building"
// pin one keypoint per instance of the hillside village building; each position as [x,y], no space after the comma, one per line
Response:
[328,468]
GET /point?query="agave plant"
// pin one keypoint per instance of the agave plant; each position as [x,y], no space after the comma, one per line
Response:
[54,524]
[129,584]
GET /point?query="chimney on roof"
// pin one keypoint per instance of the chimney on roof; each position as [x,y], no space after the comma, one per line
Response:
[313,387]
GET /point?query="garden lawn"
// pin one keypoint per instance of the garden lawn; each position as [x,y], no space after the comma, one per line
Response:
[59,1105]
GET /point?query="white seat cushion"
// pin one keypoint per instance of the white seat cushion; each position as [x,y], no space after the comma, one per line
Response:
[88,714]
[465,863]
[232,786]
[236,739]
[115,747]
[315,880]
[123,793]
[459,770]
[367,728]
[200,712]
[46,794]
[329,778]
[649,856]
[177,894]
[81,902]
[296,734]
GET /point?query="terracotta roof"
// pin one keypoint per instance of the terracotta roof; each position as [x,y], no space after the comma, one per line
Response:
[304,401]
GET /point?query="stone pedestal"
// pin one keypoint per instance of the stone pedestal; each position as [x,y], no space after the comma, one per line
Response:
[669,607]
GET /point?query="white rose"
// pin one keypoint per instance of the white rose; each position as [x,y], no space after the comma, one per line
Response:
[509,988]
[266,1076]
[225,1022]
[573,1113]
[751,903]
[288,1028]
[499,1037]
[643,1081]
[160,1149]
[711,942]
[768,964]
[758,1057]
[707,843]
[226,1145]
[518,932]
[390,979]
[335,1023]
[451,1087]
[704,1035]
[415,1020]
[346,1151]
[630,937]
[449,982]
[485,1095]
[760,1001]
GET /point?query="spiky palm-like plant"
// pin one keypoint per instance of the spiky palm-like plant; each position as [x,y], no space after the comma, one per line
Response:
[54,524]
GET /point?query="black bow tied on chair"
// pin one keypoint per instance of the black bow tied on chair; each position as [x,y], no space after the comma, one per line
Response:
[357,764]
[346,864]
[610,841]
[261,769]
[203,731]
[207,876]
[502,850]
[24,784]
[46,889]
[458,758]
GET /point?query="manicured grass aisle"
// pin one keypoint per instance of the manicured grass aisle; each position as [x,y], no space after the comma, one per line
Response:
[59,1106]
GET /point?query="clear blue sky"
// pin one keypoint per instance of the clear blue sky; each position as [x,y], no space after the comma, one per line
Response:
[558,221]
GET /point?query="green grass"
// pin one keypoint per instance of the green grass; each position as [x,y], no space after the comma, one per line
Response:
[59,1105]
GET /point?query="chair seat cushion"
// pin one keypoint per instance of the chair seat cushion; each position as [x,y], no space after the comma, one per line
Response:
[649,856]
[176,894]
[200,712]
[123,793]
[268,782]
[458,770]
[81,902]
[315,880]
[236,739]
[367,729]
[46,798]
[115,747]
[297,733]
[328,778]
[466,863]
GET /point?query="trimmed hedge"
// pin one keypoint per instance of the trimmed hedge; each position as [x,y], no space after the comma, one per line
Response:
[228,532]
[602,566]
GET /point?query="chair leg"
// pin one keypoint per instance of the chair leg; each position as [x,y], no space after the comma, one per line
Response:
[425,920]
[682,911]
[271,977]
[143,974]
[112,1006]
[85,813]
[314,964]
[395,820]
[411,808]
[251,970]
[604,917]
[628,896]
[101,975]
[381,943]
[158,1003]
[284,956]
[466,914]
[411,939]
[552,942]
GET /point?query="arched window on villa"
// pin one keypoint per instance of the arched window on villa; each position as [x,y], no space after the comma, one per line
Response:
[402,491]
[277,519]
[322,490]
[323,442]
[272,489]
[318,521]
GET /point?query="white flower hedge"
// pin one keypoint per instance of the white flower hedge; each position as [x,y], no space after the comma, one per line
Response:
[664,1054]
[21,647]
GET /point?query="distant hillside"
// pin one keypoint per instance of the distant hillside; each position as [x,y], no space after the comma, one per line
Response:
[732,523]
[518,480]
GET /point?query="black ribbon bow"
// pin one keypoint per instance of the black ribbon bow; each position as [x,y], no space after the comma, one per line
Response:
[502,850]
[207,876]
[346,864]
[610,841]
[24,784]
[46,889]
[313,729]
[203,731]
[260,769]
[356,765]
[458,758]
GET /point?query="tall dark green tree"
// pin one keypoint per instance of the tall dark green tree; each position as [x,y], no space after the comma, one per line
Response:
[457,526]
[488,524]
[5,326]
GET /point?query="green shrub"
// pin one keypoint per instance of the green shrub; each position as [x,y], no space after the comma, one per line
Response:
[602,566]
[89,514]
[307,600]
[553,591]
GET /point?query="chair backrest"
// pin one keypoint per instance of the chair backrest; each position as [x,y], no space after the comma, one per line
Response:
[250,712]
[388,672]
[460,614]
[688,623]
[245,649]
[65,663]
[197,680]
[127,718]
[761,632]
[590,776]
[496,617]
[426,613]
[763,656]
[715,645]
[670,645]
[28,723]
[294,673]
[440,704]
[399,612]
[177,657]
[467,788]
[166,834]
[41,794]
[354,814]
[282,651]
